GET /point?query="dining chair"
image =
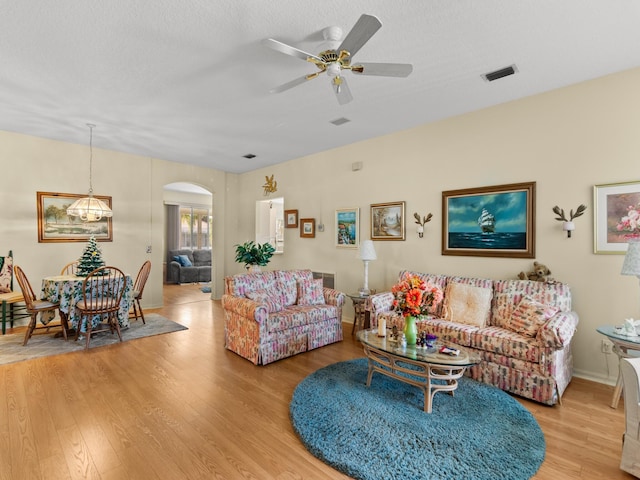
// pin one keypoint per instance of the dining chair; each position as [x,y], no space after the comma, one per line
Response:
[70,268]
[138,288]
[102,292]
[11,300]
[35,307]
[630,462]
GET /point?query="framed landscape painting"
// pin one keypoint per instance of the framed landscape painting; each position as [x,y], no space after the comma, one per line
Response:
[387,221]
[612,204]
[54,225]
[348,228]
[497,221]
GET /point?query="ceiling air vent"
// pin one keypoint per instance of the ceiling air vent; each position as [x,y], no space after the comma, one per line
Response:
[340,121]
[503,72]
[249,156]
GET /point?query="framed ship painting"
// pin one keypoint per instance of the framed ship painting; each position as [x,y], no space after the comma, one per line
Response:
[495,221]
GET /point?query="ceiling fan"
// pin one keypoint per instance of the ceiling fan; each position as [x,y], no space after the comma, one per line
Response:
[334,61]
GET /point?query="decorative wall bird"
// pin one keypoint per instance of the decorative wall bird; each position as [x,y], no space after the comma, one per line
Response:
[270,185]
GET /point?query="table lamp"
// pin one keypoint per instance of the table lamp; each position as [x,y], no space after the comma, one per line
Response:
[631,264]
[366,253]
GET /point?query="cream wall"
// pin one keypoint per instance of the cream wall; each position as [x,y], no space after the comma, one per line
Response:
[135,183]
[567,141]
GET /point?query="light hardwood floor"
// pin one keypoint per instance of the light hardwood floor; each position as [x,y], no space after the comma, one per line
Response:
[180,406]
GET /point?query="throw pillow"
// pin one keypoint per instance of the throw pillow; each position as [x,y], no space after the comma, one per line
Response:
[271,299]
[310,292]
[467,304]
[6,272]
[529,316]
[185,262]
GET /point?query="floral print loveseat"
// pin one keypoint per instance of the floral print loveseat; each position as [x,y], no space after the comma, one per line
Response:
[521,329]
[277,314]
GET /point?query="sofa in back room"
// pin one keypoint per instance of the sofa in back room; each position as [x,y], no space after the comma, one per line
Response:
[189,266]
[521,329]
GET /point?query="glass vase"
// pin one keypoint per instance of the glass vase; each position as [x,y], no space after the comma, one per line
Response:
[410,330]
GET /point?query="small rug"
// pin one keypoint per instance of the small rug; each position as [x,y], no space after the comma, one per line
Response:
[42,344]
[381,432]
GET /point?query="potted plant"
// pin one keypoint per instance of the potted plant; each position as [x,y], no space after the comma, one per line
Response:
[253,254]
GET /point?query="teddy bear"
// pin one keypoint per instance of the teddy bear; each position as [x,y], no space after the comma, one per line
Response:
[540,273]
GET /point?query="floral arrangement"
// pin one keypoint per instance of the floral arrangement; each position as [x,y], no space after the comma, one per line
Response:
[631,221]
[414,296]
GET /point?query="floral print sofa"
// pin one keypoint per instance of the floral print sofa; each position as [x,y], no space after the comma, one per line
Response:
[521,329]
[278,314]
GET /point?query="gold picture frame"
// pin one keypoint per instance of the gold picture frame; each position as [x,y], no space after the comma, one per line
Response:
[307,227]
[291,219]
[610,203]
[495,221]
[388,221]
[54,225]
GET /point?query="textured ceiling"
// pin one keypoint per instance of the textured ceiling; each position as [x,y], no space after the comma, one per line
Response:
[188,80]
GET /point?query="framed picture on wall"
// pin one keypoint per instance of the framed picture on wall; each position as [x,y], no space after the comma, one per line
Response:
[387,221]
[347,228]
[616,206]
[291,218]
[307,227]
[54,225]
[497,221]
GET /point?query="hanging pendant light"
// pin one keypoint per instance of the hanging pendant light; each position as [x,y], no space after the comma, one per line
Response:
[89,209]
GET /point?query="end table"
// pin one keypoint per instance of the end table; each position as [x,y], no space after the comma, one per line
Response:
[360,317]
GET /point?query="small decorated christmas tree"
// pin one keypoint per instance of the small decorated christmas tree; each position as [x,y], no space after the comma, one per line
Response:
[91,259]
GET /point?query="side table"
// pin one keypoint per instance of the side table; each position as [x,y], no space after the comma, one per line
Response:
[621,345]
[359,317]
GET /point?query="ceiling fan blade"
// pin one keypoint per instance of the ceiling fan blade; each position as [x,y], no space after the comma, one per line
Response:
[383,69]
[341,89]
[362,31]
[288,49]
[291,84]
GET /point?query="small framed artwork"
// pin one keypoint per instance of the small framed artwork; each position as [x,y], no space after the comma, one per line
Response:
[307,227]
[496,221]
[291,218]
[616,211]
[54,225]
[387,221]
[348,228]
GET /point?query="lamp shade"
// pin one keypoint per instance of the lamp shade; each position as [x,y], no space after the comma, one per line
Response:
[366,251]
[89,209]
[631,265]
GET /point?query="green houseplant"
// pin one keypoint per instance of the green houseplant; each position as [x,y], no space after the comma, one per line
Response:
[251,253]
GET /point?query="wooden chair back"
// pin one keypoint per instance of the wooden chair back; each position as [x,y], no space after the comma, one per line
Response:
[102,291]
[70,268]
[27,291]
[141,279]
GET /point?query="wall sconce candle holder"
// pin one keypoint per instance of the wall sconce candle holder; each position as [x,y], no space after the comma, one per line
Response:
[568,225]
[421,222]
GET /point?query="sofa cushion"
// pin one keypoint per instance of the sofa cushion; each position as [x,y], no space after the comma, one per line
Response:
[289,283]
[269,297]
[202,258]
[506,342]
[239,285]
[183,260]
[529,316]
[468,304]
[507,295]
[299,315]
[310,292]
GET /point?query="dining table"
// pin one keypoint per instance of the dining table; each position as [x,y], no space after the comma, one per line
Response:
[66,290]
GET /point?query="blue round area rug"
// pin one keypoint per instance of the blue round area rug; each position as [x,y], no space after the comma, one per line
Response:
[381,432]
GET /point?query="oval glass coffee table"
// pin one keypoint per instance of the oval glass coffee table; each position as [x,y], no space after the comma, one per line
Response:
[425,368]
